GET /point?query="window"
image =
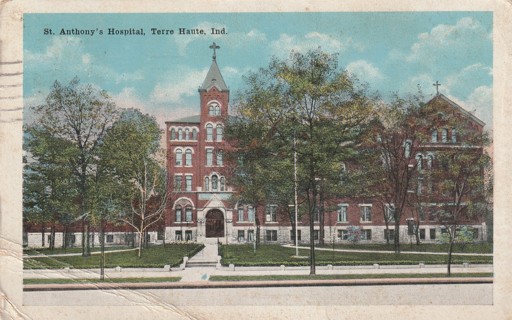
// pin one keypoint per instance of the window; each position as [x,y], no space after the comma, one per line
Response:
[432,234]
[407,148]
[454,135]
[187,134]
[209,157]
[194,134]
[434,135]
[240,214]
[178,236]
[214,109]
[475,233]
[215,183]
[366,234]
[421,213]
[219,132]
[342,213]
[444,135]
[389,234]
[220,157]
[209,132]
[251,214]
[188,214]
[316,234]
[178,214]
[180,134]
[188,183]
[316,217]
[160,235]
[271,235]
[222,184]
[366,213]
[177,183]
[343,234]
[179,157]
[241,235]
[271,213]
[419,161]
[292,235]
[419,188]
[110,238]
[188,157]
[188,235]
[206,184]
[250,235]
[422,234]
[430,161]
[389,212]
[173,134]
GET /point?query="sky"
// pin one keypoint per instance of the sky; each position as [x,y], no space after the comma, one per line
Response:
[393,52]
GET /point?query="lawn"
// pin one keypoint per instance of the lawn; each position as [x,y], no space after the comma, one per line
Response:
[274,255]
[107,280]
[153,257]
[346,276]
[46,251]
[484,247]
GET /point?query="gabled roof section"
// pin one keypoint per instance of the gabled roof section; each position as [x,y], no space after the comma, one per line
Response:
[459,108]
[214,78]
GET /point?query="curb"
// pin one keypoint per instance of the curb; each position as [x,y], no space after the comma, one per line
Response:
[254,284]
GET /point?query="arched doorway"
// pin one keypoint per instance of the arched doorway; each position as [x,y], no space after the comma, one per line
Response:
[214,224]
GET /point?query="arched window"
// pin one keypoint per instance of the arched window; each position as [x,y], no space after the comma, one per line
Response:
[220,157]
[209,132]
[215,183]
[219,132]
[178,213]
[434,135]
[209,157]
[173,134]
[187,132]
[444,135]
[180,134]
[222,184]
[454,135]
[217,110]
[179,157]
[194,134]
[206,184]
[188,157]
[211,110]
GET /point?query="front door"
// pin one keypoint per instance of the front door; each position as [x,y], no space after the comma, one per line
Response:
[214,224]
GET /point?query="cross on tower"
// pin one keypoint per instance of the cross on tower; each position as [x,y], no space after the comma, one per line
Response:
[214,47]
[437,84]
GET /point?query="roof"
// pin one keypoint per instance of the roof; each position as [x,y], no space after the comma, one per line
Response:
[191,119]
[459,108]
[214,78]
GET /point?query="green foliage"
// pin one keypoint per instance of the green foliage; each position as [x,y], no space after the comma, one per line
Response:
[107,280]
[354,234]
[154,257]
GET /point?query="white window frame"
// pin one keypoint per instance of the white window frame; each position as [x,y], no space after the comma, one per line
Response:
[271,213]
[209,157]
[342,212]
[365,213]
[219,133]
[241,214]
[188,157]
[188,183]
[251,214]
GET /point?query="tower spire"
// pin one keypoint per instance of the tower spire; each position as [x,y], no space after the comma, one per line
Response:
[214,47]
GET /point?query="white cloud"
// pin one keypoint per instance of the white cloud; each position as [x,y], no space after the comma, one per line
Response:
[365,71]
[257,35]
[480,100]
[313,40]
[450,40]
[175,89]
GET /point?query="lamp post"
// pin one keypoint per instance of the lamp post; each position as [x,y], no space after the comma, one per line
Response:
[295,200]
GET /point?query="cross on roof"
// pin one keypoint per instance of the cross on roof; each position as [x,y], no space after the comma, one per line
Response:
[437,84]
[214,47]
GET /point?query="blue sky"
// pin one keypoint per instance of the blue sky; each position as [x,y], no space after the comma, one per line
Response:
[160,74]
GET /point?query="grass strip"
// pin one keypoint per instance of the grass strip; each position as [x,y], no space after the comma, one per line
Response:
[346,276]
[109,280]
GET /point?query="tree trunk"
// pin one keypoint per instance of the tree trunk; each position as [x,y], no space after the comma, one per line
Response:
[321,217]
[85,239]
[52,237]
[417,232]
[102,244]
[42,235]
[450,249]
[397,235]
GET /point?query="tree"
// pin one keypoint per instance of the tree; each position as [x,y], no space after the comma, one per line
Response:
[79,115]
[48,188]
[133,156]
[398,136]
[306,98]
